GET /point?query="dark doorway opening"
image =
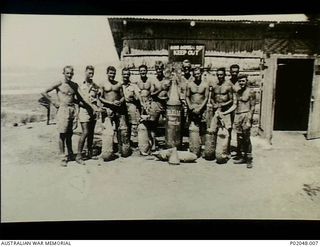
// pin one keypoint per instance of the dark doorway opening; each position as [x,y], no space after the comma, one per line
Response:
[292,96]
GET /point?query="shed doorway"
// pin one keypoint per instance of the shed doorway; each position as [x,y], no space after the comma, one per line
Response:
[292,95]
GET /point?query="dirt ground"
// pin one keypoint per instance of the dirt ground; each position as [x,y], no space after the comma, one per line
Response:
[284,183]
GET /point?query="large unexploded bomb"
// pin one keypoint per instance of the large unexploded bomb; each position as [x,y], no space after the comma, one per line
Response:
[222,144]
[107,140]
[184,156]
[210,145]
[125,149]
[210,137]
[144,142]
[210,111]
[194,139]
[173,117]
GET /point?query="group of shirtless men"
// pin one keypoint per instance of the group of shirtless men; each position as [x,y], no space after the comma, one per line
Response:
[126,101]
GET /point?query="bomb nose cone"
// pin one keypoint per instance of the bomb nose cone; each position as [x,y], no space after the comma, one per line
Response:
[174,158]
[174,98]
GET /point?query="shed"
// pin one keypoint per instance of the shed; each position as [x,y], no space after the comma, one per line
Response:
[280,54]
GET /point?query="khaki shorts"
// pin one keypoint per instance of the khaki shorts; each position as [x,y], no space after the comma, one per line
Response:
[65,117]
[198,118]
[85,116]
[242,122]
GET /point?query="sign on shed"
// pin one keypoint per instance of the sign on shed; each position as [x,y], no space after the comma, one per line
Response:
[194,53]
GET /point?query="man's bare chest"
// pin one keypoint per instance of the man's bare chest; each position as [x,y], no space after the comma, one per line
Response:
[200,89]
[144,85]
[66,89]
[109,87]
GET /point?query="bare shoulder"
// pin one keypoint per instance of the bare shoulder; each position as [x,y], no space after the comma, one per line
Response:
[252,93]
[104,83]
[117,85]
[56,84]
[229,86]
[139,84]
[150,80]
[135,85]
[53,86]
[190,84]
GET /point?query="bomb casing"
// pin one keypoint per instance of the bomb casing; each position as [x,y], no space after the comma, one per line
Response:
[173,118]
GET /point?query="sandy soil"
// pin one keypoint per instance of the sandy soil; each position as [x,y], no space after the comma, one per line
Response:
[284,183]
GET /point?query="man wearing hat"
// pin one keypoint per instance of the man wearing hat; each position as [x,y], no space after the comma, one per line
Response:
[245,100]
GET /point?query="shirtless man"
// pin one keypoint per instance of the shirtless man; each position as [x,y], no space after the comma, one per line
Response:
[148,106]
[243,121]
[144,85]
[223,101]
[132,97]
[234,72]
[159,93]
[112,99]
[185,79]
[183,82]
[68,108]
[87,117]
[160,86]
[196,98]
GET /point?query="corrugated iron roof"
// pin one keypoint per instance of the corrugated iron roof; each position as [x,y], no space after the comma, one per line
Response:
[287,18]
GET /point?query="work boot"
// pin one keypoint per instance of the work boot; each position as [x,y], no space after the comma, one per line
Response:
[249,163]
[90,155]
[237,157]
[79,160]
[64,162]
[70,157]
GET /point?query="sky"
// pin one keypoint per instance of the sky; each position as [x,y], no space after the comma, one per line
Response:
[35,48]
[42,45]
